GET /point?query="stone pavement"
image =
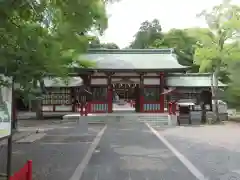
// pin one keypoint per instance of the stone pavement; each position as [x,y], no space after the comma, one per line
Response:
[17,136]
[34,123]
[214,150]
[131,151]
[28,126]
[56,155]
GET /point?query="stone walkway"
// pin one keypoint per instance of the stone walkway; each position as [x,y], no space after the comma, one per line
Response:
[132,151]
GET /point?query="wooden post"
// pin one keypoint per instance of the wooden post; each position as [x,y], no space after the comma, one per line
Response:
[161,91]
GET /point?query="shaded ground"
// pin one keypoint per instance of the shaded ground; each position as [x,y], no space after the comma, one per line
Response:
[131,151]
[55,156]
[214,150]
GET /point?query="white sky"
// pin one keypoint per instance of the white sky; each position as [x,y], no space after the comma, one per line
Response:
[127,15]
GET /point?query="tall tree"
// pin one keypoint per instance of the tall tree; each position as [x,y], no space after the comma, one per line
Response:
[224,24]
[233,90]
[183,44]
[42,37]
[147,34]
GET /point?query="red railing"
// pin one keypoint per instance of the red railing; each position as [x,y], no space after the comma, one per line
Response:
[25,173]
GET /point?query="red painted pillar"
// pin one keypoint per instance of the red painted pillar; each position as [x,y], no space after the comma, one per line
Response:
[109,93]
[89,98]
[170,108]
[161,91]
[141,99]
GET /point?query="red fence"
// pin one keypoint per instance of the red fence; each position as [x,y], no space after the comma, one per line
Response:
[25,173]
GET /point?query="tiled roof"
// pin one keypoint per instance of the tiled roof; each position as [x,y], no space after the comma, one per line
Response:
[57,82]
[191,80]
[133,59]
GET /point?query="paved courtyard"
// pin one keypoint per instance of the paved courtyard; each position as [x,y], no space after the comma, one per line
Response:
[214,150]
[132,151]
[129,149]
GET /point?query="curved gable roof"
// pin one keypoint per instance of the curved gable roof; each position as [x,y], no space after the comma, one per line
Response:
[133,59]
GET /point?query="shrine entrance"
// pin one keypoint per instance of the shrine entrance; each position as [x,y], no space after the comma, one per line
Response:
[125,96]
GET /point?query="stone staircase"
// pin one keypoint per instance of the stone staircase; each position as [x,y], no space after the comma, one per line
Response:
[154,119]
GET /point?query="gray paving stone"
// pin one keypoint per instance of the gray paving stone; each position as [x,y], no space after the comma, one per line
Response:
[131,151]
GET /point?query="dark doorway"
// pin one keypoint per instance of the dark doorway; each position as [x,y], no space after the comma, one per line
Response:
[206,98]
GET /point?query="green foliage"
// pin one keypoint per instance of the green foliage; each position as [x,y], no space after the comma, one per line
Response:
[233,90]
[147,34]
[46,37]
[95,43]
[183,44]
[150,35]
[224,25]
[218,51]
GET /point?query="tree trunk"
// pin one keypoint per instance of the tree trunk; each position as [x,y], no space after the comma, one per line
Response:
[39,114]
[203,113]
[214,88]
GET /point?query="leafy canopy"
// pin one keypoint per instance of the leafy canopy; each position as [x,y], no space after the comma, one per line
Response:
[42,37]
[219,42]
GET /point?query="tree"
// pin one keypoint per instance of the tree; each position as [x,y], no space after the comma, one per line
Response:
[95,43]
[233,90]
[183,44]
[45,37]
[215,52]
[147,34]
[110,46]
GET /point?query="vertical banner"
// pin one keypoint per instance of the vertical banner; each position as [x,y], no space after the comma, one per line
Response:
[5,107]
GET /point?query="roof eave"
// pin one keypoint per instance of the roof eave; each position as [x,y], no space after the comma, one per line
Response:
[220,86]
[81,70]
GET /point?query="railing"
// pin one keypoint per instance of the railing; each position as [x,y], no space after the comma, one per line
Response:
[25,173]
[151,107]
[98,107]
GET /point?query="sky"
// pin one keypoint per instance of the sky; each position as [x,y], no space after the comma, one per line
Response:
[126,16]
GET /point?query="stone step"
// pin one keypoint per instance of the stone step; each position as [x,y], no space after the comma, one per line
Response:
[150,118]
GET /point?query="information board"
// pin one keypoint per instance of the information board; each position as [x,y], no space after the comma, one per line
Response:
[5,107]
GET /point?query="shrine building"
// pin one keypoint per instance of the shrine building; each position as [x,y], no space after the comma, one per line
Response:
[149,77]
